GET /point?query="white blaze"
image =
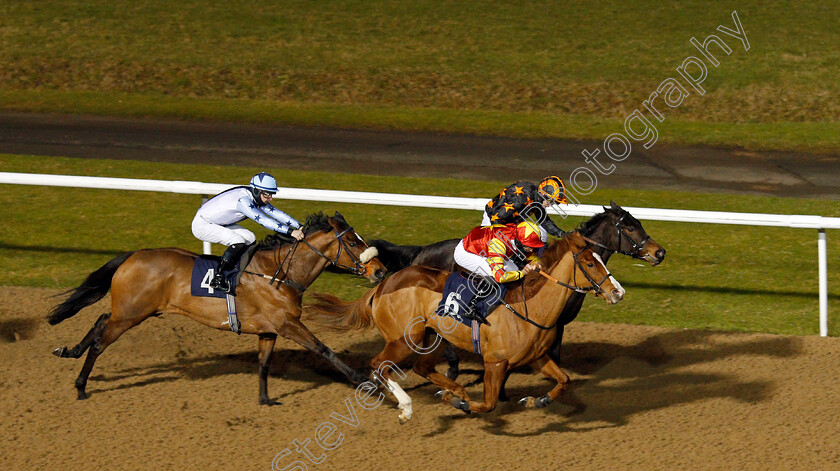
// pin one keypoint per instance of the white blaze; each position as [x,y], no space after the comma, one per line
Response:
[612,279]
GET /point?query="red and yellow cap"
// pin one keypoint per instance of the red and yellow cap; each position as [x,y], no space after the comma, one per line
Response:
[528,232]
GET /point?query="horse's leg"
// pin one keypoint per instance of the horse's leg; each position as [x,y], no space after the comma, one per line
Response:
[554,349]
[494,374]
[502,394]
[92,336]
[294,330]
[453,360]
[110,333]
[382,364]
[266,346]
[425,367]
[547,366]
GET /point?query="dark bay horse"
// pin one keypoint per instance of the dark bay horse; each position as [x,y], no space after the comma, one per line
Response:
[404,306]
[614,231]
[151,282]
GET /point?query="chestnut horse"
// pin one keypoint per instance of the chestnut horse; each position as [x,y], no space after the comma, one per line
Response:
[151,282]
[404,305]
[614,231]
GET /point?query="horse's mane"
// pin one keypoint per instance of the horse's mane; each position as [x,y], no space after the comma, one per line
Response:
[587,227]
[315,222]
[554,252]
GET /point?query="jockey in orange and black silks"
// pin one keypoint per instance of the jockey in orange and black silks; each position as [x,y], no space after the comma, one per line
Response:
[527,200]
[491,250]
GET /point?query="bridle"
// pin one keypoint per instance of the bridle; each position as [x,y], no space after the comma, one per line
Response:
[621,232]
[595,286]
[358,269]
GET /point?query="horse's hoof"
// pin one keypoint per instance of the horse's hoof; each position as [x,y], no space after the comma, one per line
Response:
[542,402]
[444,395]
[503,397]
[403,419]
[269,402]
[59,352]
[82,396]
[461,404]
[452,374]
[528,402]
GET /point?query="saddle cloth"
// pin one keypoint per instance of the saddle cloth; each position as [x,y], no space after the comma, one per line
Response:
[458,292]
[204,269]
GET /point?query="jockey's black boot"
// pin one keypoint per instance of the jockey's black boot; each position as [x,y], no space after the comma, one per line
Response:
[228,261]
[472,309]
[483,289]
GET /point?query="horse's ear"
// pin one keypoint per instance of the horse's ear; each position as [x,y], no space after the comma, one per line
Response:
[615,206]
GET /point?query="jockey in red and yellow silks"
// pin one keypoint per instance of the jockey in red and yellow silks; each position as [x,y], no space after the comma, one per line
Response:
[486,249]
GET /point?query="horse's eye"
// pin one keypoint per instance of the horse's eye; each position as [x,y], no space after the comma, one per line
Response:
[590,265]
[631,229]
[352,244]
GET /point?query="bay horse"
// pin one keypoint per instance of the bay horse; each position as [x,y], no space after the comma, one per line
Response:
[404,306]
[151,282]
[614,231]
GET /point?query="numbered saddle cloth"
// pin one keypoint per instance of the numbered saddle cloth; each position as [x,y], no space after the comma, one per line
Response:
[458,293]
[204,269]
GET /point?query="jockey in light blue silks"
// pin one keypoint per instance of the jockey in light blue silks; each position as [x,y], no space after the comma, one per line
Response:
[216,221]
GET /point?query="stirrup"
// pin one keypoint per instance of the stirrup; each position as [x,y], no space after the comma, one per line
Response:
[220,284]
[473,316]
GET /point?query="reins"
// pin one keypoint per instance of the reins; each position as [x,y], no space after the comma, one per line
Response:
[526,317]
[358,269]
[594,287]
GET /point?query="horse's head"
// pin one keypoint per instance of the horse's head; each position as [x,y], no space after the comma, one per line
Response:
[343,247]
[619,231]
[590,273]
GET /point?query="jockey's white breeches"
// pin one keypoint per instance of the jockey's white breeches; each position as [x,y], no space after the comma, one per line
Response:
[225,235]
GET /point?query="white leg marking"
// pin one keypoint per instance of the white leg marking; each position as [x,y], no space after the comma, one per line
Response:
[403,399]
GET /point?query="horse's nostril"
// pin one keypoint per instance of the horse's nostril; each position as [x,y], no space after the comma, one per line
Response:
[660,254]
[379,273]
[617,293]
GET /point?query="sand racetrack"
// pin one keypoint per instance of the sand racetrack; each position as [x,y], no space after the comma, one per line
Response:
[173,394]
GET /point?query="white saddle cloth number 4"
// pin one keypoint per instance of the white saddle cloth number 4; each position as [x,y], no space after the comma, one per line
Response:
[205,282]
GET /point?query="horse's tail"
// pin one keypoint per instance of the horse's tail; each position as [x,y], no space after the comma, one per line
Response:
[338,315]
[94,288]
[395,257]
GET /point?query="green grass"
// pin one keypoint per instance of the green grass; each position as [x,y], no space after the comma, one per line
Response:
[714,276]
[555,69]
